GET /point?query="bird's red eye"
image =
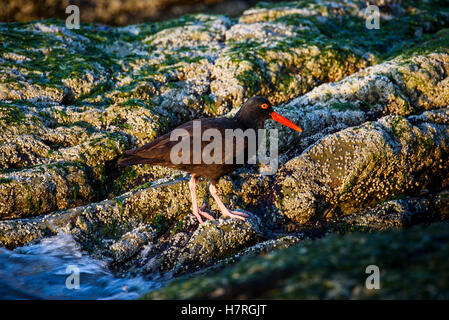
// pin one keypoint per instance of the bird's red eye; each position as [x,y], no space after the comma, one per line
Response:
[264,106]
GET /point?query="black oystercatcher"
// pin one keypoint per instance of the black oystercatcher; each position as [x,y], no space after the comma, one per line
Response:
[251,115]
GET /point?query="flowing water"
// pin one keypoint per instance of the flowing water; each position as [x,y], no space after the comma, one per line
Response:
[47,270]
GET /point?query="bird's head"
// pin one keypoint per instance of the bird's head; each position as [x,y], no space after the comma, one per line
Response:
[258,109]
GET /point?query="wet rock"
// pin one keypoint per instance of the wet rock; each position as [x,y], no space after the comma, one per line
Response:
[44,189]
[19,232]
[360,166]
[401,213]
[332,268]
[188,247]
[111,219]
[217,239]
[123,12]
[401,86]
[151,77]
[441,204]
[373,106]
[132,242]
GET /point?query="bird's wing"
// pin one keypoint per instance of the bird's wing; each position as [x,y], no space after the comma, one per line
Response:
[159,149]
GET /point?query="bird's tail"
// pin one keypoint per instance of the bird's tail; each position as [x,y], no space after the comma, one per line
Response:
[132,160]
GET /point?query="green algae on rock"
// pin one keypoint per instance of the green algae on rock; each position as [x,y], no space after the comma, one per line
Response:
[401,212]
[412,265]
[373,105]
[360,166]
[44,189]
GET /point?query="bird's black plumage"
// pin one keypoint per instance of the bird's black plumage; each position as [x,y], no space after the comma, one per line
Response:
[251,115]
[157,152]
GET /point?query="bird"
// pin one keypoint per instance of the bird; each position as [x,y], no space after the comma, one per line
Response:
[251,115]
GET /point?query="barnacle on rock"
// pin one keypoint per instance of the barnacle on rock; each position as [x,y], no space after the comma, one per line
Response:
[373,105]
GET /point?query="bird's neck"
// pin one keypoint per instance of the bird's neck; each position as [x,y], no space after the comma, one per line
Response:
[248,121]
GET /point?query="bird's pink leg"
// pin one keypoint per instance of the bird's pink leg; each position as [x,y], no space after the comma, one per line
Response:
[225,211]
[198,212]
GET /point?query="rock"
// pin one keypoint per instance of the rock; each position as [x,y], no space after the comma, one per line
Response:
[399,87]
[147,85]
[373,105]
[441,205]
[132,242]
[215,240]
[186,251]
[332,268]
[117,216]
[16,233]
[45,189]
[122,12]
[401,213]
[360,166]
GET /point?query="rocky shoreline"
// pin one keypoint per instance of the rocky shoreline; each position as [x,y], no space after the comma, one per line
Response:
[373,156]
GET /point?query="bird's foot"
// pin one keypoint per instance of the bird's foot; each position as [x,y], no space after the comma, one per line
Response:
[234,214]
[225,211]
[198,217]
[204,213]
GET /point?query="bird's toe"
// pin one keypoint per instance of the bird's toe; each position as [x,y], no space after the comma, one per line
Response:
[232,214]
[205,214]
[198,217]
[239,213]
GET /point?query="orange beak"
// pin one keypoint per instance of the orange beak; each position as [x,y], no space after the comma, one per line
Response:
[284,121]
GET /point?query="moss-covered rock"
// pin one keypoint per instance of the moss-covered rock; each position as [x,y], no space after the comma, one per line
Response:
[399,212]
[360,166]
[44,189]
[373,105]
[412,265]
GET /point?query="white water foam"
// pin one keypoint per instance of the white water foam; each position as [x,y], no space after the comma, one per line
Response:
[39,271]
